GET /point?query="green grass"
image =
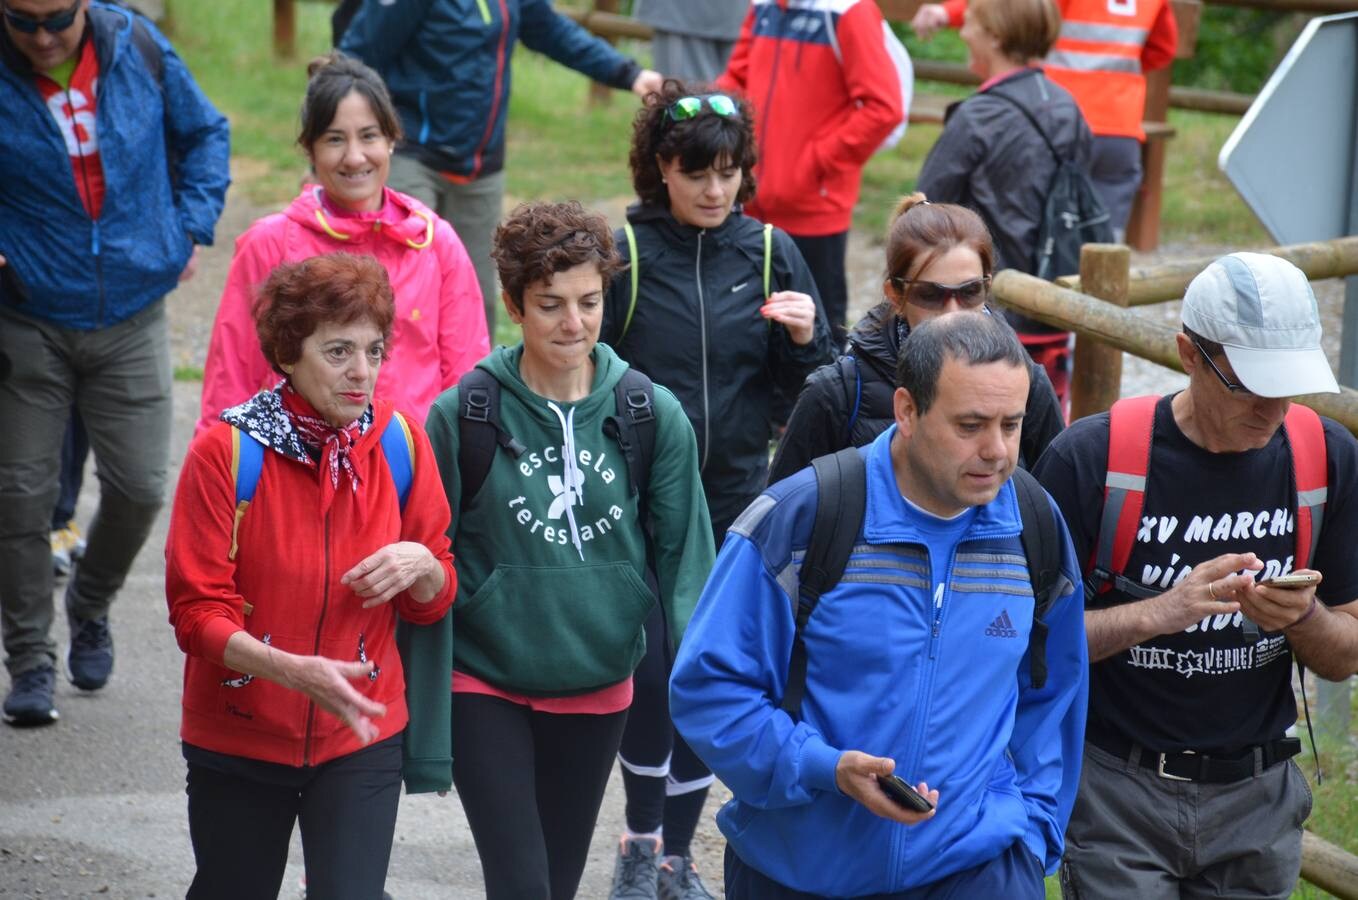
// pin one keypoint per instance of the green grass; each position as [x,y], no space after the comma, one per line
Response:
[188,373]
[228,47]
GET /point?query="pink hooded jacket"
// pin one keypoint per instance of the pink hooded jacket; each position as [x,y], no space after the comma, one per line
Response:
[440,327]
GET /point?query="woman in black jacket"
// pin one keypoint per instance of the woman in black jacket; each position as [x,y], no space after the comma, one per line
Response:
[723,311]
[991,156]
[939,259]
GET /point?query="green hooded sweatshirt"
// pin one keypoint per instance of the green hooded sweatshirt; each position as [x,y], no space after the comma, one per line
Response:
[551,554]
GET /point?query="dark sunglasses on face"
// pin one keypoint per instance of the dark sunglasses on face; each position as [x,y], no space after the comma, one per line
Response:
[1232,386]
[932,295]
[692,107]
[53,24]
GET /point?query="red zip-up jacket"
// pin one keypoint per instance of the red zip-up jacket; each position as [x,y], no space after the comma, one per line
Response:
[284,587]
[825,95]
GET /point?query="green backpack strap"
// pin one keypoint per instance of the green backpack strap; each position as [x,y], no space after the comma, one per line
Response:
[768,263]
[634,271]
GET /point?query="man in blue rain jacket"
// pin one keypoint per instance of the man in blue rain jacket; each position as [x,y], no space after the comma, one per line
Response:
[917,661]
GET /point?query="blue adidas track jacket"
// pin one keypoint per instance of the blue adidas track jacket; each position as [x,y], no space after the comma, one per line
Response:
[935,676]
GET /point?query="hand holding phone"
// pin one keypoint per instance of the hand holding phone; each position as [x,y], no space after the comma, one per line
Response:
[864,778]
[1293,581]
[903,794]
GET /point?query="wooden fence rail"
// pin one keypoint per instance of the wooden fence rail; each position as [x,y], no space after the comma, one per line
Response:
[1168,281]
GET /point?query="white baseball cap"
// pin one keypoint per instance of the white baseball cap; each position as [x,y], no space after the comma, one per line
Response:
[1261,309]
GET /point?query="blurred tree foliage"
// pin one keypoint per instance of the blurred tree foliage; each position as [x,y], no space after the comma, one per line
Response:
[1237,48]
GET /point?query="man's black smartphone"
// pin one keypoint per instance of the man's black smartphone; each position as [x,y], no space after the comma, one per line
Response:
[903,794]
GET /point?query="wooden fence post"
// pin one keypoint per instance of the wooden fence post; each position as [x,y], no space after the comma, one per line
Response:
[1143,226]
[602,94]
[1096,381]
[284,29]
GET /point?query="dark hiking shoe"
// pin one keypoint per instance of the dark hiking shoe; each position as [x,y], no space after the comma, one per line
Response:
[634,873]
[30,698]
[678,880]
[90,658]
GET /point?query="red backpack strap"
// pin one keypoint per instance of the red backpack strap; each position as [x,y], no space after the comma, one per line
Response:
[1130,424]
[1306,438]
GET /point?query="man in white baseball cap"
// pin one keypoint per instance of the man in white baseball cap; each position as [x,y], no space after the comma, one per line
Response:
[1261,311]
[1192,508]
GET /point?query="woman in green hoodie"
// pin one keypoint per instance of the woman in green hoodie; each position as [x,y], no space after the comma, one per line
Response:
[552,555]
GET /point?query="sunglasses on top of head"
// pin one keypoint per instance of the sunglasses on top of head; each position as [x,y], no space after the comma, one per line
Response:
[692,107]
[932,295]
[53,24]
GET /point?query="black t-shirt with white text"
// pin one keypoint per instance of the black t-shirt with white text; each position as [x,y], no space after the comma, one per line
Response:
[1213,686]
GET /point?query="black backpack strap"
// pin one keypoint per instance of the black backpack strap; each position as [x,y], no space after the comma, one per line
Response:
[634,429]
[150,51]
[480,431]
[1042,546]
[1032,120]
[841,500]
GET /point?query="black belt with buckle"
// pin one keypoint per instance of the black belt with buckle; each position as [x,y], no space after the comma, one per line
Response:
[1201,766]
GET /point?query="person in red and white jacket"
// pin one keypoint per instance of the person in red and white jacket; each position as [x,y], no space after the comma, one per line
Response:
[826,95]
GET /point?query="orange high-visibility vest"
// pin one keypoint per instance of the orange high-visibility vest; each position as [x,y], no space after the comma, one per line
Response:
[1098,59]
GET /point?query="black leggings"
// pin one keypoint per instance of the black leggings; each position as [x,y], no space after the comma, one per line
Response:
[531,784]
[241,813]
[666,782]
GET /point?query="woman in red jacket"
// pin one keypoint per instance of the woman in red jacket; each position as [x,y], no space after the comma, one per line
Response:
[349,130]
[304,524]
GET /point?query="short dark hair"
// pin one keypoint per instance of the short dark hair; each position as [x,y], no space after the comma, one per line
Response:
[334,77]
[335,287]
[1206,345]
[972,337]
[697,143]
[539,239]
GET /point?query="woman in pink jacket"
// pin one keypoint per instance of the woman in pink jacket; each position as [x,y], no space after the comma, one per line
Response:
[349,129]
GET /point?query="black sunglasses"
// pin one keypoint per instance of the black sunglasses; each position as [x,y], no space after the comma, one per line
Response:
[1232,386]
[53,24]
[934,296]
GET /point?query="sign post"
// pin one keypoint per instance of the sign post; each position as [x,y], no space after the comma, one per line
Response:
[1294,159]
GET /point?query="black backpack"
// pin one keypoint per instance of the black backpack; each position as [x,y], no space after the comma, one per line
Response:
[480,431]
[841,501]
[1072,216]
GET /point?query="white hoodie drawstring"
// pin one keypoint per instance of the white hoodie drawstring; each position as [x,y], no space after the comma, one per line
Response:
[572,479]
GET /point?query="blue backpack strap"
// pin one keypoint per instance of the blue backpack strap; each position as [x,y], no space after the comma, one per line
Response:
[247,460]
[399,449]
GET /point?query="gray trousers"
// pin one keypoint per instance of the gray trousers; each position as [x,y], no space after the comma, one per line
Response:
[473,209]
[1136,834]
[1115,170]
[119,379]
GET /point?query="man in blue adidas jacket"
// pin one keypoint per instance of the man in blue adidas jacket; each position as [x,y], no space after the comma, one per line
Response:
[446,63]
[917,661]
[114,167]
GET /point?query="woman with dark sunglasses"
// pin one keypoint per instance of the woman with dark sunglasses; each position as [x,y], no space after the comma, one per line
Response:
[722,310]
[939,259]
